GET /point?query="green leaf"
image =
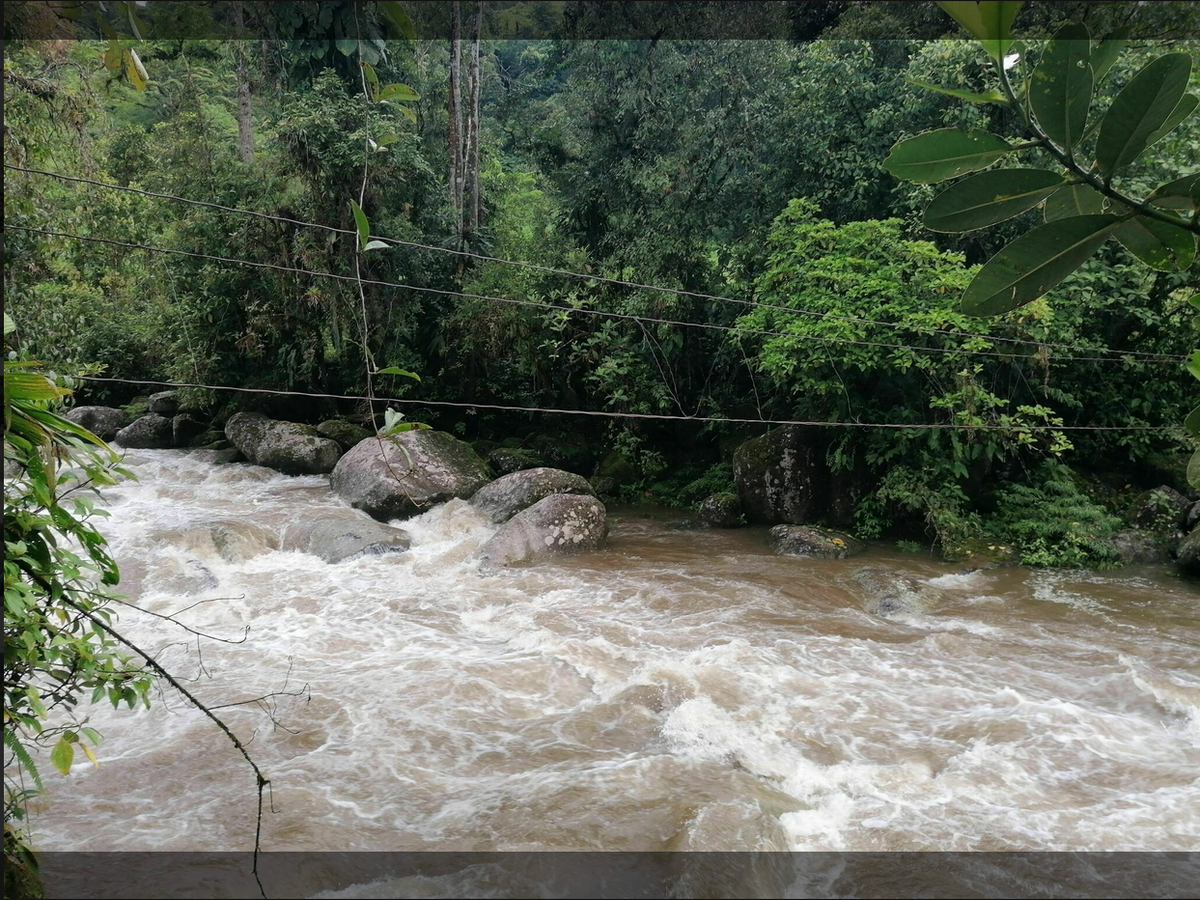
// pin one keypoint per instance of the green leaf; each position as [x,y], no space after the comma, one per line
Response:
[1182,193]
[376,245]
[35,702]
[135,71]
[1193,364]
[1034,263]
[92,734]
[948,152]
[1107,51]
[1157,244]
[397,16]
[992,96]
[62,755]
[1184,108]
[990,197]
[1073,200]
[1192,423]
[10,324]
[1060,89]
[1193,470]
[393,370]
[1195,300]
[388,137]
[360,222]
[1142,108]
[346,46]
[398,92]
[990,21]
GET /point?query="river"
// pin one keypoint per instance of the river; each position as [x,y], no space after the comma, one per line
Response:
[684,690]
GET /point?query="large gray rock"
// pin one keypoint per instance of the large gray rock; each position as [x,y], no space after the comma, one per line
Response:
[102,421]
[402,475]
[505,497]
[347,434]
[1187,554]
[556,525]
[150,432]
[505,460]
[780,476]
[233,540]
[1135,547]
[1162,508]
[819,543]
[722,510]
[185,430]
[285,446]
[336,538]
[165,403]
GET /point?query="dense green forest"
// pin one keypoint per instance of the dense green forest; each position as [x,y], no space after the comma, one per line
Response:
[721,183]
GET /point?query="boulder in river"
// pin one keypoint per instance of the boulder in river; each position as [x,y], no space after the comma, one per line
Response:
[722,510]
[1187,554]
[164,403]
[102,421]
[1135,546]
[810,541]
[503,498]
[402,475]
[347,434]
[505,460]
[1162,508]
[185,430]
[780,476]
[233,540]
[149,432]
[336,538]
[285,446]
[555,525]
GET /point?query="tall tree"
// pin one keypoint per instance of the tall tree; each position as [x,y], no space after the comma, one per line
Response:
[473,122]
[245,134]
[455,118]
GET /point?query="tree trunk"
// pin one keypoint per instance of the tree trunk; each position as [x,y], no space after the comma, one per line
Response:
[473,133]
[245,135]
[456,123]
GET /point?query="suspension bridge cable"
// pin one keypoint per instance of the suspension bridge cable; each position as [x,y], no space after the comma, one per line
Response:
[570,310]
[586,276]
[457,404]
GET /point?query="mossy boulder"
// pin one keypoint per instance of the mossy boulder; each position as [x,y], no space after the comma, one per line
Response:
[505,460]
[402,475]
[102,421]
[150,432]
[1134,546]
[165,403]
[1187,554]
[813,542]
[781,476]
[287,447]
[505,497]
[557,525]
[347,434]
[721,510]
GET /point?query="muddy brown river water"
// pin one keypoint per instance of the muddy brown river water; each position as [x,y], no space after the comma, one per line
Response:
[684,690]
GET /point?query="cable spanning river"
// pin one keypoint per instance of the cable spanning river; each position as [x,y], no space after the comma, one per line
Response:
[684,690]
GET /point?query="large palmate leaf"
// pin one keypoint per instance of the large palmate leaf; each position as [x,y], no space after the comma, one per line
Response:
[1073,200]
[1060,90]
[1034,263]
[990,197]
[946,153]
[1142,108]
[1159,245]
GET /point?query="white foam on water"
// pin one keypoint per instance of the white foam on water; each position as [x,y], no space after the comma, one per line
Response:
[659,695]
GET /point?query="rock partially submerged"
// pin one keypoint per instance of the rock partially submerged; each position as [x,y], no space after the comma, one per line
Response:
[285,446]
[1187,554]
[779,476]
[1134,546]
[556,525]
[723,510]
[233,540]
[150,432]
[102,421]
[338,538]
[400,476]
[814,542]
[505,497]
